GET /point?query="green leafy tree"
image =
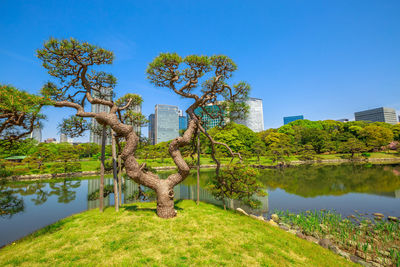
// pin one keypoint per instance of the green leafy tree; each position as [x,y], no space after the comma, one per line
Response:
[66,159]
[376,136]
[238,137]
[88,150]
[306,153]
[278,147]
[237,182]
[19,112]
[37,159]
[316,137]
[353,146]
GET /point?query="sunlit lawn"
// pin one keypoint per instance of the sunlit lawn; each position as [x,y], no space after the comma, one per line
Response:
[204,235]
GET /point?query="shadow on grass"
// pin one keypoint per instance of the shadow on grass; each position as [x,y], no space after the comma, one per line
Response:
[138,208]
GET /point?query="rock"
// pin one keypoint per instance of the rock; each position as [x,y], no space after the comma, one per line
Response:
[325,243]
[392,218]
[284,226]
[358,260]
[375,264]
[331,237]
[260,218]
[300,234]
[376,214]
[363,255]
[271,222]
[343,254]
[242,211]
[312,239]
[275,217]
[334,249]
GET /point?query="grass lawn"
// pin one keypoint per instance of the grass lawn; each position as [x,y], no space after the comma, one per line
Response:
[200,235]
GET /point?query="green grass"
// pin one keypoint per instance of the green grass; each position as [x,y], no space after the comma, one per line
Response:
[204,235]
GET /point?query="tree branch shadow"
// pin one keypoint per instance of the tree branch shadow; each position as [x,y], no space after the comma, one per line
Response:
[133,208]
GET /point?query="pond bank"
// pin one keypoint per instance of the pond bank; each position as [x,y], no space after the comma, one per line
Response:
[136,236]
[46,176]
[373,242]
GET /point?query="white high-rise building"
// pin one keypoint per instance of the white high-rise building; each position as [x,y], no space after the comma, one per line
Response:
[166,123]
[136,109]
[255,117]
[63,138]
[36,134]
[95,133]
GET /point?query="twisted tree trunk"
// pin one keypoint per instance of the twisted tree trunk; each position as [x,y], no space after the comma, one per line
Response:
[163,188]
[115,175]
[103,151]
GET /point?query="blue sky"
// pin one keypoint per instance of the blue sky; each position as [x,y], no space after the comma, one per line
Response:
[323,59]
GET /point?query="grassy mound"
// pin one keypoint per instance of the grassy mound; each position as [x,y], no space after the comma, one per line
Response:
[199,235]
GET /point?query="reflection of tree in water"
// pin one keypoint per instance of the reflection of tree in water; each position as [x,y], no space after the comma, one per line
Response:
[10,204]
[41,194]
[62,190]
[312,181]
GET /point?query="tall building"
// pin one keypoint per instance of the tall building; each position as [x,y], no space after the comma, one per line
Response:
[289,119]
[63,138]
[211,117]
[95,132]
[183,121]
[152,129]
[36,134]
[255,117]
[166,123]
[382,114]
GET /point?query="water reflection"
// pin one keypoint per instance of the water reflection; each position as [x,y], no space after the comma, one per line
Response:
[11,194]
[10,204]
[313,181]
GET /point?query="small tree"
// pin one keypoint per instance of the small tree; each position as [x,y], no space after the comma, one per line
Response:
[37,159]
[259,149]
[353,146]
[67,160]
[237,182]
[19,112]
[376,136]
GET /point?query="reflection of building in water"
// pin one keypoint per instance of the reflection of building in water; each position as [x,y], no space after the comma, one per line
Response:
[183,191]
[93,185]
[397,193]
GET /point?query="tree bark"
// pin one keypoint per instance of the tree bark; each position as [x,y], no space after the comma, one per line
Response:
[198,168]
[119,179]
[165,201]
[103,151]
[115,175]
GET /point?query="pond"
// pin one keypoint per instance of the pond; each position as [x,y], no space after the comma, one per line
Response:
[29,206]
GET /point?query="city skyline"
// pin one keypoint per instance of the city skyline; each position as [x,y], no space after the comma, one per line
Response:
[323,60]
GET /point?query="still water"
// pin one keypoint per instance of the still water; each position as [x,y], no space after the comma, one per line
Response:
[28,206]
